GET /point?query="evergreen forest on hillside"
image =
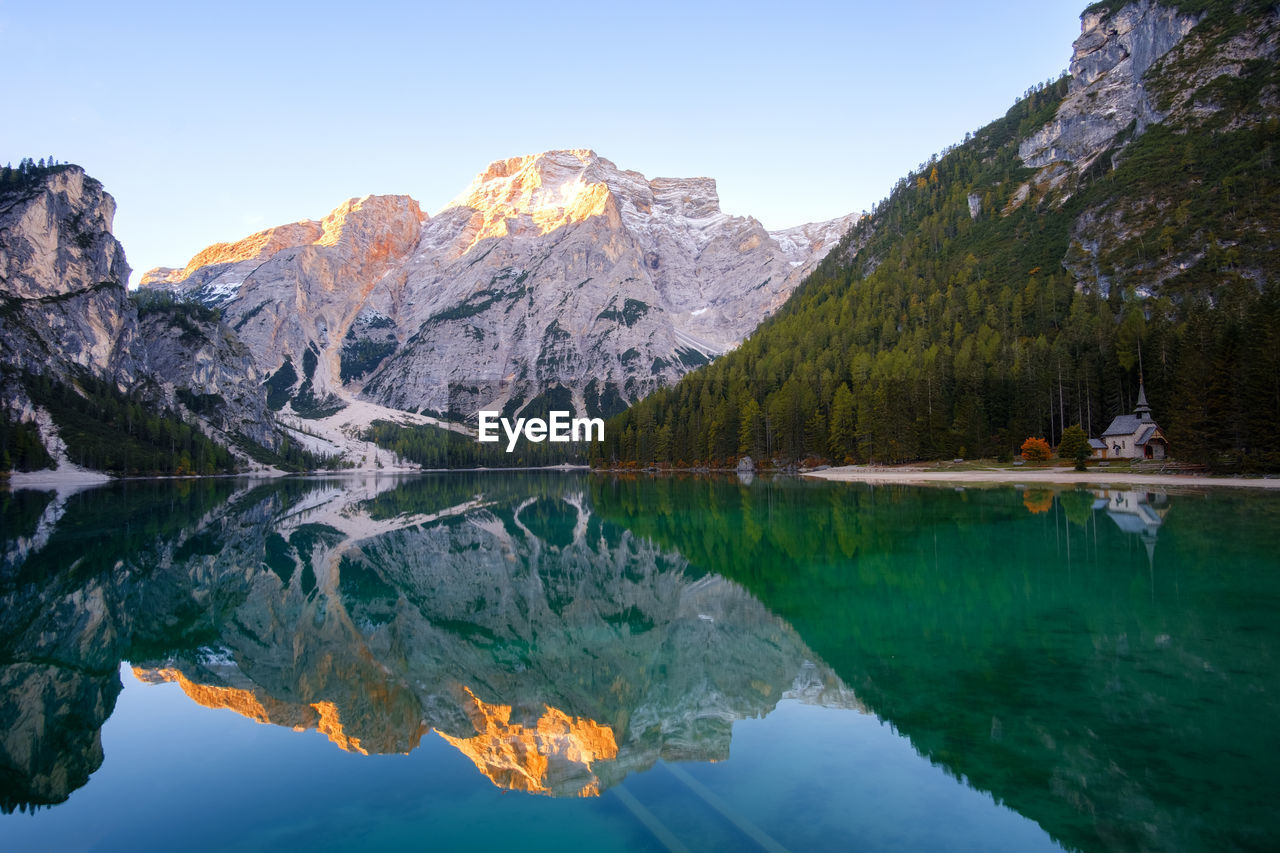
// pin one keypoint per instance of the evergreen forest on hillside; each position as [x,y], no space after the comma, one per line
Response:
[955,319]
[109,431]
[20,446]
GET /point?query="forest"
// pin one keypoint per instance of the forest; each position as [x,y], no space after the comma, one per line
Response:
[118,433]
[965,315]
[20,446]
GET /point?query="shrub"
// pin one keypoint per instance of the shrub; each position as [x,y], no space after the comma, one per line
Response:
[1036,450]
[1074,444]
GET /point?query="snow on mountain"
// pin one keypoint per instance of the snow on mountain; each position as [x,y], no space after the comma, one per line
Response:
[552,271]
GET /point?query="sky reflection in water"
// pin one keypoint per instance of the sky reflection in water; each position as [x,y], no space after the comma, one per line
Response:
[680,662]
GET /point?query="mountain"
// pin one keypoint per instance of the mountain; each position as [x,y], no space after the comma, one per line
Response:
[552,278]
[1117,226]
[90,377]
[552,271]
[63,276]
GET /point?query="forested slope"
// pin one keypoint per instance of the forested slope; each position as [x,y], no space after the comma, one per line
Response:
[987,300]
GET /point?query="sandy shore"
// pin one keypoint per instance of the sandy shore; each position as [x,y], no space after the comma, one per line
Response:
[1066,476]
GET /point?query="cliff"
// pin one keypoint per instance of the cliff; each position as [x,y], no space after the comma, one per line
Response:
[63,278]
[69,322]
[1108,93]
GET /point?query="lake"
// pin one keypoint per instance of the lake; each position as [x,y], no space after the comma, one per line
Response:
[551,661]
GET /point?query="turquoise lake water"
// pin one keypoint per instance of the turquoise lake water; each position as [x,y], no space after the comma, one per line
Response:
[556,661]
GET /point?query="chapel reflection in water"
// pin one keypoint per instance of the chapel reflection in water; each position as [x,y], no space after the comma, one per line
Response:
[563,631]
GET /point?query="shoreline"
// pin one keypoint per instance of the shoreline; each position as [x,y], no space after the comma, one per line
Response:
[76,480]
[62,479]
[1060,476]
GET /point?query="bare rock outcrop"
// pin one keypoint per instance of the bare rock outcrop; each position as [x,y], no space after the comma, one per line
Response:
[68,315]
[1137,65]
[63,278]
[286,289]
[1107,94]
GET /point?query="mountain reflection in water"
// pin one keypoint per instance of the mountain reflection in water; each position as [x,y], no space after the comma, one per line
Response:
[556,651]
[1101,662]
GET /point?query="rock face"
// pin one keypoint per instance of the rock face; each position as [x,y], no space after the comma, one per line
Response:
[551,270]
[1107,94]
[301,286]
[203,366]
[67,312]
[63,278]
[1144,65]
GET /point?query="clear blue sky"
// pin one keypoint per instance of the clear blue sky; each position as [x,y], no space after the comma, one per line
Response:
[209,121]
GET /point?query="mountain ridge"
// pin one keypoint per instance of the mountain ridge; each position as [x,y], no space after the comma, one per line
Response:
[653,278]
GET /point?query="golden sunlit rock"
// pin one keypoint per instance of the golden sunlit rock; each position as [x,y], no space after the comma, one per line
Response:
[512,191]
[262,709]
[245,703]
[263,245]
[331,726]
[553,756]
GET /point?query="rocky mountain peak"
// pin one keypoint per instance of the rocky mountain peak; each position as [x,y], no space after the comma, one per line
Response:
[1110,58]
[548,161]
[58,236]
[536,194]
[549,270]
[540,193]
[372,217]
[258,246]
